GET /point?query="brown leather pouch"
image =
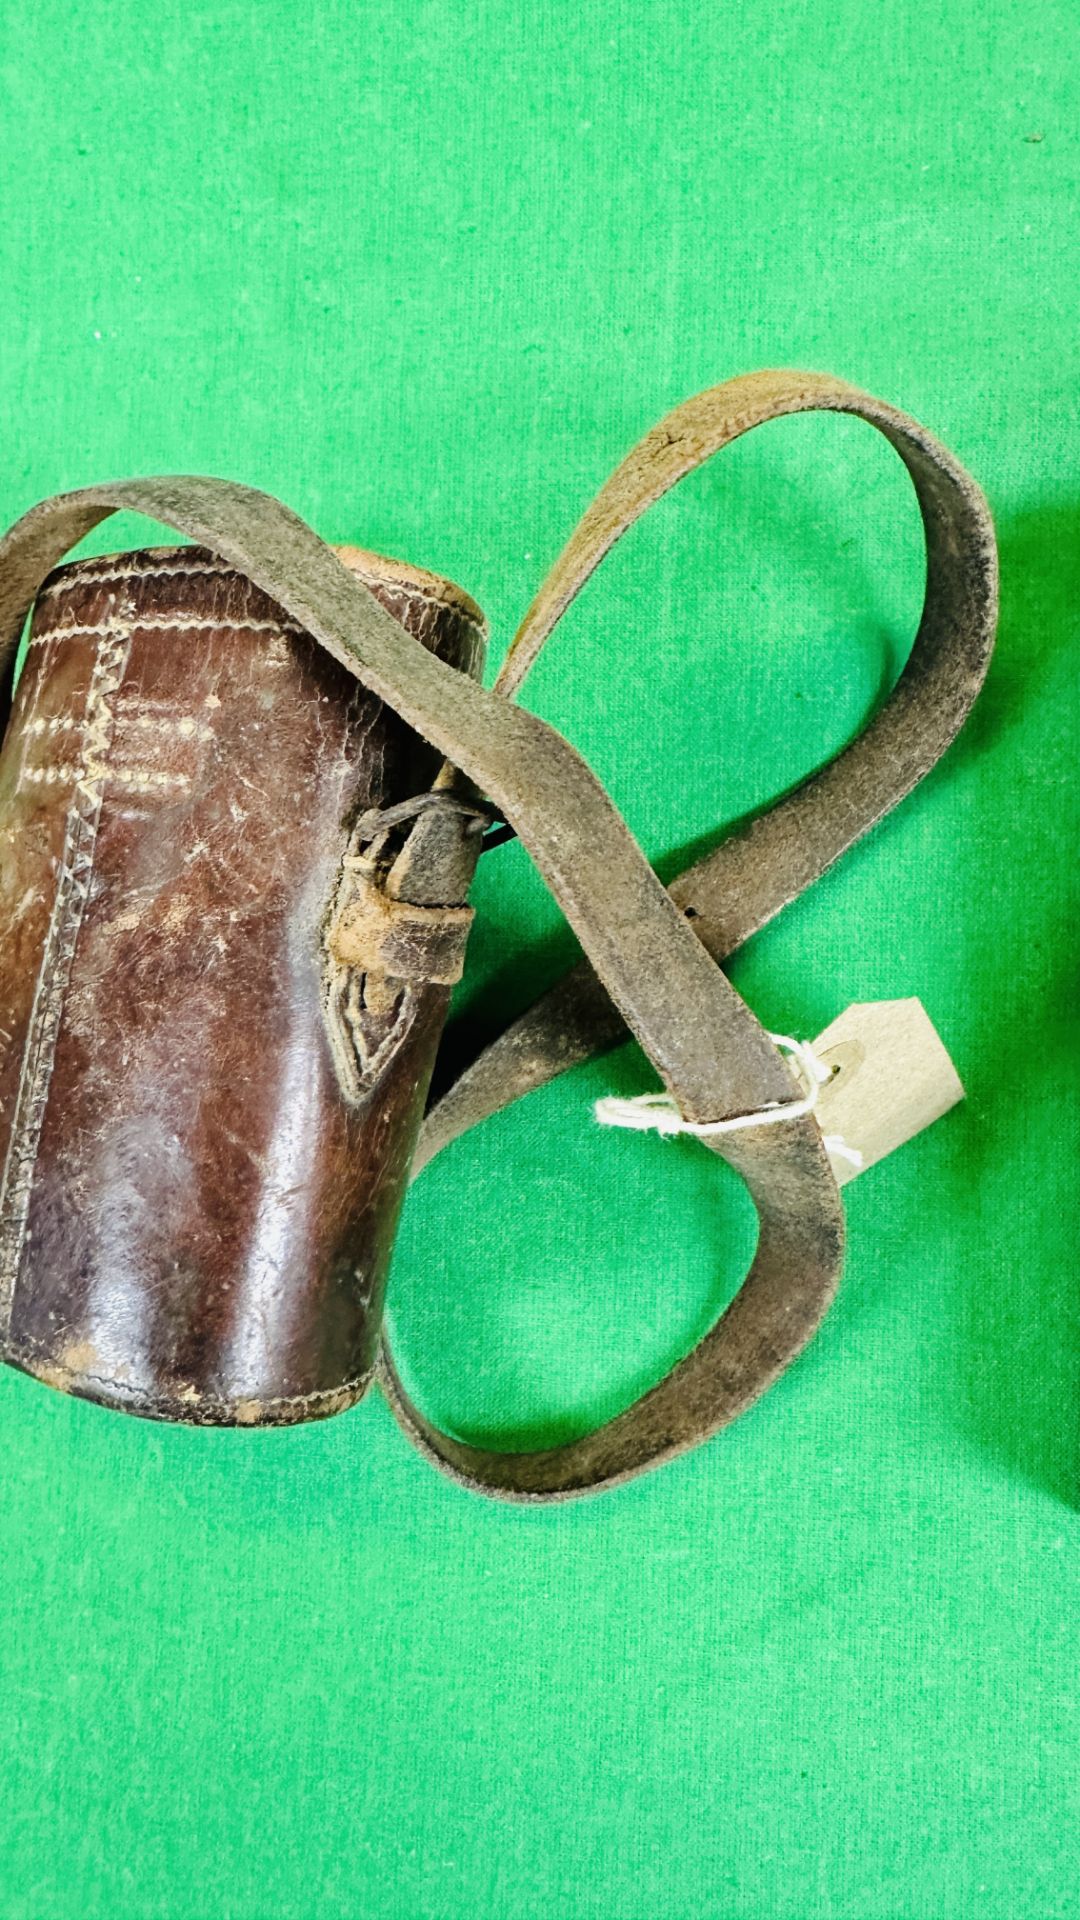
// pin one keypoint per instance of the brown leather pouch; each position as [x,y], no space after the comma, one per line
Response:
[211,1076]
[232,906]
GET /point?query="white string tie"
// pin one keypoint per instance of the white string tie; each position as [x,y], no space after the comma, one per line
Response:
[657,1112]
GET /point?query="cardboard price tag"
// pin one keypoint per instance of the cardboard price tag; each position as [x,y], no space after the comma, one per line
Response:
[891,1077]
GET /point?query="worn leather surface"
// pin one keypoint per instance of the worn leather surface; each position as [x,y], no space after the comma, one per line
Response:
[649,953]
[194,1223]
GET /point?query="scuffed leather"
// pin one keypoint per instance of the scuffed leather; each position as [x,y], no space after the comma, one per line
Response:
[193,1223]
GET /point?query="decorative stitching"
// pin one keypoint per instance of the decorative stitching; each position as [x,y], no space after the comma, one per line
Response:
[116,776]
[125,716]
[416,593]
[363,1038]
[69,906]
[50,776]
[369,578]
[178,729]
[85,577]
[169,623]
[359,1058]
[61,723]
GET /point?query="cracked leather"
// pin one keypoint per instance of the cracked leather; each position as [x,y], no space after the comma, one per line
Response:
[195,1224]
[299,1049]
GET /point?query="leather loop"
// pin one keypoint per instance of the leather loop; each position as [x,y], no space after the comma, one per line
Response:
[656,972]
[746,881]
[379,934]
[760,868]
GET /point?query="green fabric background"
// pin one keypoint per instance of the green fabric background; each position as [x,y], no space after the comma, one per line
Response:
[426,272]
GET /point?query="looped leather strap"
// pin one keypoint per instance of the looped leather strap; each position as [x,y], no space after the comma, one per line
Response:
[728,896]
[648,966]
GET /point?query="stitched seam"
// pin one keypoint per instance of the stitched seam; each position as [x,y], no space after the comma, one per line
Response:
[361,1046]
[222,573]
[358,1063]
[61,723]
[178,729]
[70,723]
[33,1352]
[134,777]
[88,579]
[69,905]
[169,623]
[416,593]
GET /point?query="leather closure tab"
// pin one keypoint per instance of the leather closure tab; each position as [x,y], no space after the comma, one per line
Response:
[380,935]
[381,954]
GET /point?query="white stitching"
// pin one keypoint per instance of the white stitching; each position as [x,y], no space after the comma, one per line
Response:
[417,593]
[69,905]
[370,579]
[88,579]
[168,623]
[113,776]
[69,723]
[53,776]
[174,729]
[63,723]
[37,1356]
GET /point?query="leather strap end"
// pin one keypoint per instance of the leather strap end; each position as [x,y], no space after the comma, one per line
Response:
[395,939]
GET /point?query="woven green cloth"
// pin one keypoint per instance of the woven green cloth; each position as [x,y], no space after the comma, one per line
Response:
[426,272]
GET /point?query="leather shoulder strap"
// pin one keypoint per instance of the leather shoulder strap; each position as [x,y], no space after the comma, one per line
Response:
[711,1053]
[729,895]
[745,882]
